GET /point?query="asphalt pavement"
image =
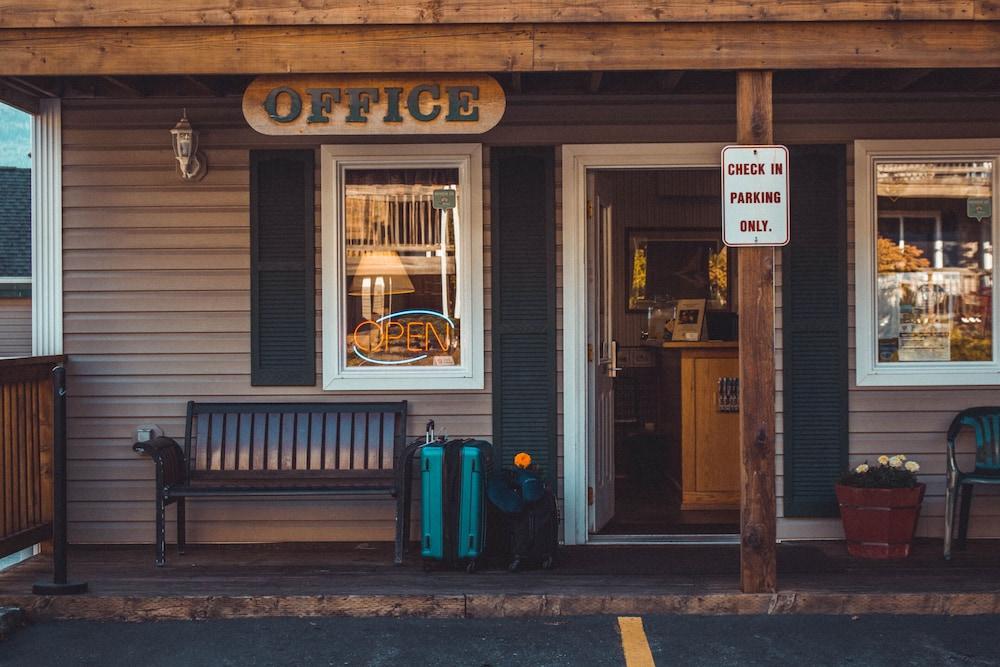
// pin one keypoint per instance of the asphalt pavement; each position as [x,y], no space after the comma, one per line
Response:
[718,641]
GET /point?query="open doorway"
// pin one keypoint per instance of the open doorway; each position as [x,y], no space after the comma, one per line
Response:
[664,356]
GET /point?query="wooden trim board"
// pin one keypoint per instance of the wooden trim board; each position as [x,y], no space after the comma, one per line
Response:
[498,48]
[139,13]
[203,607]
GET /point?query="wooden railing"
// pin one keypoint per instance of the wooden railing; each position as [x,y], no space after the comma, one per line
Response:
[29,388]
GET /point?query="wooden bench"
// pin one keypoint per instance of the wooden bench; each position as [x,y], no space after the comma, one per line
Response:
[281,449]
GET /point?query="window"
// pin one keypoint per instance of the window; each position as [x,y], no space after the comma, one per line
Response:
[402,267]
[924,262]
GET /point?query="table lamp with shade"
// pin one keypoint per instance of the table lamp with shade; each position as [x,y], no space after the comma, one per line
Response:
[379,274]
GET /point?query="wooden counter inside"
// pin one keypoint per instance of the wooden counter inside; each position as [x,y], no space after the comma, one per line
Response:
[701,345]
[709,437]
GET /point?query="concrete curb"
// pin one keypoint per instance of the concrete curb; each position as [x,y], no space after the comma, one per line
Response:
[11,618]
[131,608]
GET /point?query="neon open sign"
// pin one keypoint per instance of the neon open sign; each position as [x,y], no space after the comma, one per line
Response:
[415,339]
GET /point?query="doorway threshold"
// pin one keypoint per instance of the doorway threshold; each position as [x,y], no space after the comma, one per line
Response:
[730,538]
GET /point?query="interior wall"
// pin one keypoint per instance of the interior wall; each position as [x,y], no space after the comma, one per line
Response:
[684,201]
[890,420]
[157,312]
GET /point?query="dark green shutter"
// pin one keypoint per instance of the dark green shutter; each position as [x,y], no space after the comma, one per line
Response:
[282,268]
[524,305]
[814,331]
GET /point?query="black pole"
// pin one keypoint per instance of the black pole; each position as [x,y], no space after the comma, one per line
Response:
[59,585]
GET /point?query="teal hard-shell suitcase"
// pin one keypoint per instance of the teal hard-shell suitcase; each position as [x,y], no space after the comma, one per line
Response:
[452,505]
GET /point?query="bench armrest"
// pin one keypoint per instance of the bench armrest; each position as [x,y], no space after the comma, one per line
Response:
[169,459]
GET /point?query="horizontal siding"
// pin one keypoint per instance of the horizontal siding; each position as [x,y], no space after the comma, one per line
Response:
[15,327]
[157,298]
[911,421]
[157,295]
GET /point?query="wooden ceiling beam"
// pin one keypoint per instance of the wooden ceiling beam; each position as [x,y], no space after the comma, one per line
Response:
[983,80]
[33,88]
[451,48]
[903,79]
[516,85]
[202,87]
[142,13]
[668,81]
[17,98]
[122,86]
[594,84]
[825,81]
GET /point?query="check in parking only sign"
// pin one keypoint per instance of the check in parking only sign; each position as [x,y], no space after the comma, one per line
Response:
[755,196]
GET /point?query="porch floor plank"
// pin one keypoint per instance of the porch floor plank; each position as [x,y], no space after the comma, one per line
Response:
[336,579]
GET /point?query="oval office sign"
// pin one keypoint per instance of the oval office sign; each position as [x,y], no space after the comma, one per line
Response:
[367,105]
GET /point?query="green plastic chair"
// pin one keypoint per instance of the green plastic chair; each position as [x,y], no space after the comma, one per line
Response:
[985,423]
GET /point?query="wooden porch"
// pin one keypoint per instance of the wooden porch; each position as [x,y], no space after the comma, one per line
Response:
[59,52]
[354,579]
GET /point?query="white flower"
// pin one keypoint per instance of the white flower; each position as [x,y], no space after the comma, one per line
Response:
[912,466]
[896,462]
[883,460]
[901,457]
[861,469]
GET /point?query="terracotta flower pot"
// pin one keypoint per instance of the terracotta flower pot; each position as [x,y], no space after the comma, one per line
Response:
[879,523]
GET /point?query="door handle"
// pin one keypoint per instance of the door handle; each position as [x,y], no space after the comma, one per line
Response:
[613,367]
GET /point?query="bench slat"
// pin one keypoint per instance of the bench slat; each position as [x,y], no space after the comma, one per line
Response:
[269,438]
[214,476]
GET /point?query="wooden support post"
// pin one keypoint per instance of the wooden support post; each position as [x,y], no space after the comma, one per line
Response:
[756,308]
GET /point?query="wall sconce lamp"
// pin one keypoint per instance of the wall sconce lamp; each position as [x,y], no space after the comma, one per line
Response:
[191,164]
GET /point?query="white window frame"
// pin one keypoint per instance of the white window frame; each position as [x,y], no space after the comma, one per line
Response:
[467,158]
[870,372]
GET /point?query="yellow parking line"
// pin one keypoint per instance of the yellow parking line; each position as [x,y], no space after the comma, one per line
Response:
[634,643]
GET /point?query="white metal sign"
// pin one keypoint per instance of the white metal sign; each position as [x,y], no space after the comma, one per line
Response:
[755,195]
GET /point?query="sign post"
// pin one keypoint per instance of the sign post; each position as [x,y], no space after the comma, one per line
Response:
[755,196]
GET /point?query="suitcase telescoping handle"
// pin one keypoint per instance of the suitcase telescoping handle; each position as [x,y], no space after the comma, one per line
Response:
[431,437]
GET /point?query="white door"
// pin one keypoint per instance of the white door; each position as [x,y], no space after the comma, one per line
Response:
[579,314]
[605,360]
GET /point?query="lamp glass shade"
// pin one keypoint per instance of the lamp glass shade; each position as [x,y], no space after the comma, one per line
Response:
[185,143]
[384,264]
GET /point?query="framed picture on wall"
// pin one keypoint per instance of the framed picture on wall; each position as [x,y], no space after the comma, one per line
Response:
[674,265]
[690,320]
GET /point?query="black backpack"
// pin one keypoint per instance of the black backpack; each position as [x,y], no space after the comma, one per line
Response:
[523,534]
[535,534]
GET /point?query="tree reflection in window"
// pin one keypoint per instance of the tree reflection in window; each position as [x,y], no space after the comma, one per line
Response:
[934,256]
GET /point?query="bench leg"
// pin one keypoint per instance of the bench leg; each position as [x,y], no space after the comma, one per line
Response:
[963,516]
[407,504]
[404,498]
[181,524]
[400,527]
[403,506]
[161,529]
